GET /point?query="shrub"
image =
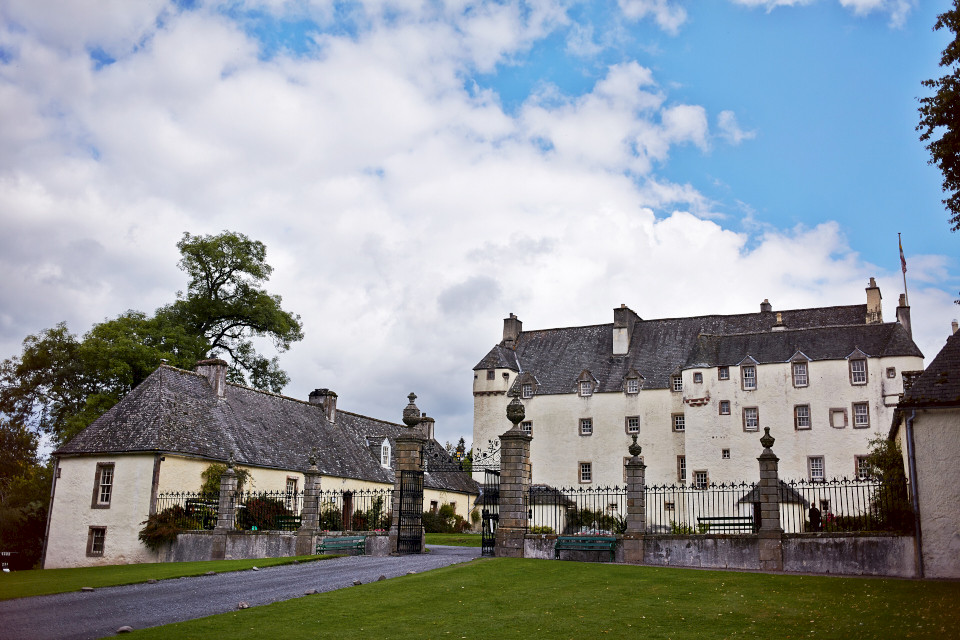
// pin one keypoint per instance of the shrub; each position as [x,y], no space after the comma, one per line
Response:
[331,519]
[162,528]
[261,513]
[542,529]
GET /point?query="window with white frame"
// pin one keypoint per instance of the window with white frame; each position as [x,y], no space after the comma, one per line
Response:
[679,422]
[103,486]
[815,466]
[526,390]
[586,472]
[863,467]
[801,416]
[724,407]
[527,427]
[676,383]
[633,385]
[96,541]
[291,494]
[701,480]
[800,378]
[723,373]
[751,418]
[385,453]
[858,371]
[681,468]
[861,415]
[748,374]
[586,388]
[586,426]
[633,424]
[698,377]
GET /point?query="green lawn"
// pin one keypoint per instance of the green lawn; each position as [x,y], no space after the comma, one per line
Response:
[38,582]
[508,598]
[454,539]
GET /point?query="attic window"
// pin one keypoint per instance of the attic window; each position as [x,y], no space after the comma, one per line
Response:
[385,453]
[586,388]
[676,383]
[633,385]
[526,390]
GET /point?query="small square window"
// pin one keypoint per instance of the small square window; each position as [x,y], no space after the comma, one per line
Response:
[586,388]
[751,419]
[633,385]
[801,416]
[491,374]
[863,467]
[724,407]
[96,541]
[586,472]
[679,423]
[676,383]
[586,426]
[526,390]
[800,378]
[723,373]
[527,427]
[861,415]
[701,479]
[858,371]
[749,376]
[633,424]
[838,418]
[891,372]
[725,454]
[698,377]
[815,466]
[669,506]
[681,468]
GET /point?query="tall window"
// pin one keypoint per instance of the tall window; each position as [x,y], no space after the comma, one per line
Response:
[586,426]
[815,465]
[103,486]
[799,374]
[586,472]
[749,376]
[291,494]
[679,423]
[801,416]
[633,385]
[751,419]
[858,371]
[527,427]
[676,383]
[586,388]
[633,424]
[96,540]
[526,390]
[724,407]
[681,468]
[385,453]
[861,415]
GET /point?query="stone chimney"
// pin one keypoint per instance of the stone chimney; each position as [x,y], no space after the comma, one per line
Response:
[326,399]
[765,306]
[903,314]
[954,327]
[874,312]
[624,320]
[511,331]
[215,371]
[779,326]
[426,426]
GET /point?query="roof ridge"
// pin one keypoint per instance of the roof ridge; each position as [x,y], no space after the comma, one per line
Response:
[829,327]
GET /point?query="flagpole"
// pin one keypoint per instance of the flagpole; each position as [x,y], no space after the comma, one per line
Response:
[903,267]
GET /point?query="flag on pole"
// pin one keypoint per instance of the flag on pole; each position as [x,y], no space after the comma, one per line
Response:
[903,261]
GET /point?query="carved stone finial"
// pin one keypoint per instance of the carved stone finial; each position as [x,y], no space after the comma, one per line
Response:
[635,449]
[230,461]
[411,414]
[516,412]
[767,440]
[313,458]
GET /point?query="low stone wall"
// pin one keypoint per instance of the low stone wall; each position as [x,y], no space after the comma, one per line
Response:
[193,546]
[840,554]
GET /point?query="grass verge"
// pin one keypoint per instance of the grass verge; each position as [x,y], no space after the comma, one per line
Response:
[454,539]
[38,582]
[513,598]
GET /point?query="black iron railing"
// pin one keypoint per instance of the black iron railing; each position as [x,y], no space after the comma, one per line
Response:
[711,508]
[188,510]
[578,510]
[360,510]
[844,505]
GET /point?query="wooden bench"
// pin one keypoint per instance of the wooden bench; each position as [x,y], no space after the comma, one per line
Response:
[286,523]
[342,544]
[727,523]
[585,543]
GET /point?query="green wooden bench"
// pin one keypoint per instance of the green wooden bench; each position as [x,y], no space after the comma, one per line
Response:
[585,543]
[727,523]
[286,523]
[338,544]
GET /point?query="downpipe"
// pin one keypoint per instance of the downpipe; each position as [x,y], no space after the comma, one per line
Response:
[914,499]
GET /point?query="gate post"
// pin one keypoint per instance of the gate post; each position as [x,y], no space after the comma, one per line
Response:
[228,497]
[514,484]
[409,458]
[310,516]
[771,535]
[636,506]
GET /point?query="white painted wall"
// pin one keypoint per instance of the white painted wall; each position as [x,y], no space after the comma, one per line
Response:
[936,435]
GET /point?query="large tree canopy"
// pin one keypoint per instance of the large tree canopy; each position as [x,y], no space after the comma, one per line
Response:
[940,116]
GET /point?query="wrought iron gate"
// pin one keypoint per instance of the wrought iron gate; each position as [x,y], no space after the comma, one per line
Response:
[410,529]
[490,513]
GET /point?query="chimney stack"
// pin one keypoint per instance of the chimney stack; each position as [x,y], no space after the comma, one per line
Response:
[327,400]
[765,306]
[903,314]
[511,331]
[874,310]
[215,371]
[953,325]
[426,426]
[624,320]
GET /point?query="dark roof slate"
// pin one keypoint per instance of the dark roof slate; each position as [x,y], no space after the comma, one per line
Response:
[939,384]
[661,348]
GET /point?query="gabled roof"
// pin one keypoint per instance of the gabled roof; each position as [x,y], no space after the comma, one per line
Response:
[659,348]
[939,384]
[178,412]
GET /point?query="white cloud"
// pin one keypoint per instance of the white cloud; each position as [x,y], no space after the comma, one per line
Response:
[668,15]
[729,128]
[898,9]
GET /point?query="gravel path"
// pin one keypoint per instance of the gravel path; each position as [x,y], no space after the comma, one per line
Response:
[100,613]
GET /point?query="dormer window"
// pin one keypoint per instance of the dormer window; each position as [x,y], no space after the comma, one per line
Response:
[633,385]
[676,383]
[632,382]
[526,390]
[748,374]
[800,378]
[858,371]
[385,453]
[586,388]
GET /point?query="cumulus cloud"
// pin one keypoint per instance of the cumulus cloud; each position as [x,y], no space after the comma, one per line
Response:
[897,9]
[668,15]
[729,129]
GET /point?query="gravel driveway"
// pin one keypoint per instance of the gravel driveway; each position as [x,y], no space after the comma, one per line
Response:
[100,613]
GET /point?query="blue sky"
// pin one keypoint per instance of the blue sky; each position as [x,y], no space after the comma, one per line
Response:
[419,170]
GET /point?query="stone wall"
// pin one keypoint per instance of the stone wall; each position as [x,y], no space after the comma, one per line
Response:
[193,546]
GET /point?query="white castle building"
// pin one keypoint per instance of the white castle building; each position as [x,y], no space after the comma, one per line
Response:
[699,391]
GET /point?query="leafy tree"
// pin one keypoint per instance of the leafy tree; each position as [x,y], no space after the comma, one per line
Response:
[891,503]
[940,116]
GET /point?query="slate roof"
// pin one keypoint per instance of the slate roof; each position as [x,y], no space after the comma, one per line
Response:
[939,384]
[178,412]
[661,348]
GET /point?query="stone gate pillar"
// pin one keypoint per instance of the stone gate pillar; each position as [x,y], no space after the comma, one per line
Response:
[636,506]
[227,507]
[515,475]
[771,534]
[310,516]
[408,454]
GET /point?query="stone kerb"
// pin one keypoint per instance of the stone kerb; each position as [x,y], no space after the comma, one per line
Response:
[771,534]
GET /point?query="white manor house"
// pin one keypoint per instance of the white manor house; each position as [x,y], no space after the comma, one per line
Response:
[699,391]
